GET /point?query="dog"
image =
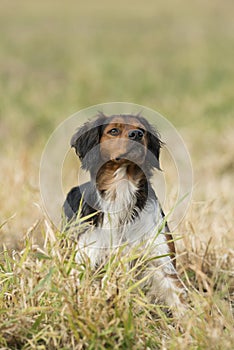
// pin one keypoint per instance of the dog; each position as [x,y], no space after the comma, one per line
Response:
[121,152]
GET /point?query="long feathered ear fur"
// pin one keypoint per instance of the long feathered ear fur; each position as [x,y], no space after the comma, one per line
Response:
[154,144]
[86,142]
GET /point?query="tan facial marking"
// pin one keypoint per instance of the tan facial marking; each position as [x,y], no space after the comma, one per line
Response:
[115,141]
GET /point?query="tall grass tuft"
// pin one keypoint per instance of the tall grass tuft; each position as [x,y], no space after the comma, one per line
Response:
[49,302]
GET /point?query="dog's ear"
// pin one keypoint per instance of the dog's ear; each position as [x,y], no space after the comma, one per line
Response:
[154,146]
[154,143]
[86,142]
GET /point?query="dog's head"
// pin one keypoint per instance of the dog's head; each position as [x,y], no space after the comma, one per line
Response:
[118,139]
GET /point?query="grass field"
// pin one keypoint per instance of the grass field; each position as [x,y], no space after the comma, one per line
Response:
[59,57]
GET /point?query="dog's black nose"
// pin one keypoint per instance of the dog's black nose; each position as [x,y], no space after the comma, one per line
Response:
[135,135]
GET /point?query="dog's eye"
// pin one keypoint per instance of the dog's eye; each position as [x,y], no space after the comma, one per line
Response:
[114,132]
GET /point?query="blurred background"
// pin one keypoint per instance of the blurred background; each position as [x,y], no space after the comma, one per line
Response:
[174,57]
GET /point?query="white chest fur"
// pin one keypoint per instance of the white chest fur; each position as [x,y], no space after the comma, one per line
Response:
[119,227]
[119,201]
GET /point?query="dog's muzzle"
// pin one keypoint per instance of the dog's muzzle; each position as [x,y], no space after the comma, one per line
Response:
[135,154]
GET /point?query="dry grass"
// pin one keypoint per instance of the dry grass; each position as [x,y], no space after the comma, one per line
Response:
[58,58]
[44,306]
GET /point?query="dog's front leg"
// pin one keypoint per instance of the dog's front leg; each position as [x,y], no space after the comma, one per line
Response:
[166,287]
[91,249]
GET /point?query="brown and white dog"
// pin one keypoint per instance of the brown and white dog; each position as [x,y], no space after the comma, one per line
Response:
[121,152]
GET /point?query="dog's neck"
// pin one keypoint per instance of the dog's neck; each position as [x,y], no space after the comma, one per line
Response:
[121,186]
[123,190]
[113,177]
